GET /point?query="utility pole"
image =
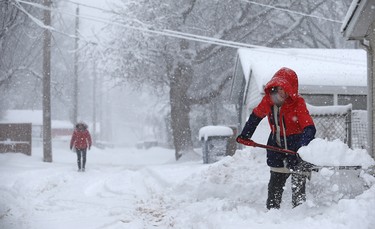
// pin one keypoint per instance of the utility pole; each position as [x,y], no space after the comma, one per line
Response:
[47,144]
[94,103]
[101,117]
[370,48]
[75,84]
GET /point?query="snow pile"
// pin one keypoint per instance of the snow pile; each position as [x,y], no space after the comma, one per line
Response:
[209,131]
[230,178]
[130,188]
[328,187]
[232,194]
[334,153]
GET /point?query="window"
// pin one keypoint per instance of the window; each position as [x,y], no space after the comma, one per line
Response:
[318,99]
[359,102]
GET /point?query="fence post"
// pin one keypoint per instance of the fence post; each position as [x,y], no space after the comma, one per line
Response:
[349,127]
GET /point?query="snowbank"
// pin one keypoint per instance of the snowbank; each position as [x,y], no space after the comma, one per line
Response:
[232,194]
[130,188]
[334,153]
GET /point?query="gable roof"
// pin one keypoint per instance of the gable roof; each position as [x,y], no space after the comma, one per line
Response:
[35,117]
[360,16]
[316,68]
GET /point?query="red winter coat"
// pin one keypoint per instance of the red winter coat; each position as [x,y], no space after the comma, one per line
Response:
[293,117]
[81,139]
[294,111]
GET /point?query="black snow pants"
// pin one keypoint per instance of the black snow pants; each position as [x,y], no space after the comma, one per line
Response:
[81,153]
[276,188]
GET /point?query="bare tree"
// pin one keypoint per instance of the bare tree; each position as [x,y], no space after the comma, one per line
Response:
[194,72]
[19,53]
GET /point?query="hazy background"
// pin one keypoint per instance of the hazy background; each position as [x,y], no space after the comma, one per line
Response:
[136,70]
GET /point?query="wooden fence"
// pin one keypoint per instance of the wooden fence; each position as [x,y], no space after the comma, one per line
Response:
[15,137]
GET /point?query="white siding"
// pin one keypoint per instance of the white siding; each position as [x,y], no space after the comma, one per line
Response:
[253,97]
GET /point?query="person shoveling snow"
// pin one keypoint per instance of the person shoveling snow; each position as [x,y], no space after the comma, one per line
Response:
[291,128]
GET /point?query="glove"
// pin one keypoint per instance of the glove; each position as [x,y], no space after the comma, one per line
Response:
[245,141]
[300,165]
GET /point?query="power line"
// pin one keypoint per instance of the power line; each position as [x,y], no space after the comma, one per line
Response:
[169,33]
[292,11]
[88,6]
[247,1]
[175,34]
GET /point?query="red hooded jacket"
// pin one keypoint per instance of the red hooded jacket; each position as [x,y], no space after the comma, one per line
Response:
[81,139]
[293,111]
[293,117]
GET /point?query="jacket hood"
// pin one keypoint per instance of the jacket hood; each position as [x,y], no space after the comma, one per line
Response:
[285,78]
[83,124]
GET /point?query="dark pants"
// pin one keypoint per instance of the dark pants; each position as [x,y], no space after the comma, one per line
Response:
[276,188]
[81,153]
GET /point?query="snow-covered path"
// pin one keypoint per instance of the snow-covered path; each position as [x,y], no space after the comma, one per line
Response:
[43,195]
[129,188]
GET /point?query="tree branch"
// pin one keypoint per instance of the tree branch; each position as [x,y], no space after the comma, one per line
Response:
[212,50]
[186,13]
[272,42]
[211,95]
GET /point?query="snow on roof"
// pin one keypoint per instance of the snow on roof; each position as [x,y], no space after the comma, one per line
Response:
[35,117]
[62,124]
[314,67]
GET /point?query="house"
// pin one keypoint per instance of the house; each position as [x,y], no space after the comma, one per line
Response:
[326,76]
[59,129]
[26,116]
[359,24]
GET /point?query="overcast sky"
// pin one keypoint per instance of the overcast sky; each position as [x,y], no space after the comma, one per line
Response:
[91,27]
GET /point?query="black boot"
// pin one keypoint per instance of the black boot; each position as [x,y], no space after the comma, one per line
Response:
[298,189]
[276,189]
[79,160]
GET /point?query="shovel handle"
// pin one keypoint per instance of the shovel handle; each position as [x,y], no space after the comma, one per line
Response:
[281,150]
[273,148]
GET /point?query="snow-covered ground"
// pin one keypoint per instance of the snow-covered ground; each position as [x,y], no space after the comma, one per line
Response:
[131,188]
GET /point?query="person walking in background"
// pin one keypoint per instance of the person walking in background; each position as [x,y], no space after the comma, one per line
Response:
[291,128]
[81,141]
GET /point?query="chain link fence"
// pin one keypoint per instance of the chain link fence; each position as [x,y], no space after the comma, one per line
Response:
[333,126]
[340,122]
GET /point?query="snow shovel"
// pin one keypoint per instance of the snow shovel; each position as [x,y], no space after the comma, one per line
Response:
[306,165]
[255,144]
